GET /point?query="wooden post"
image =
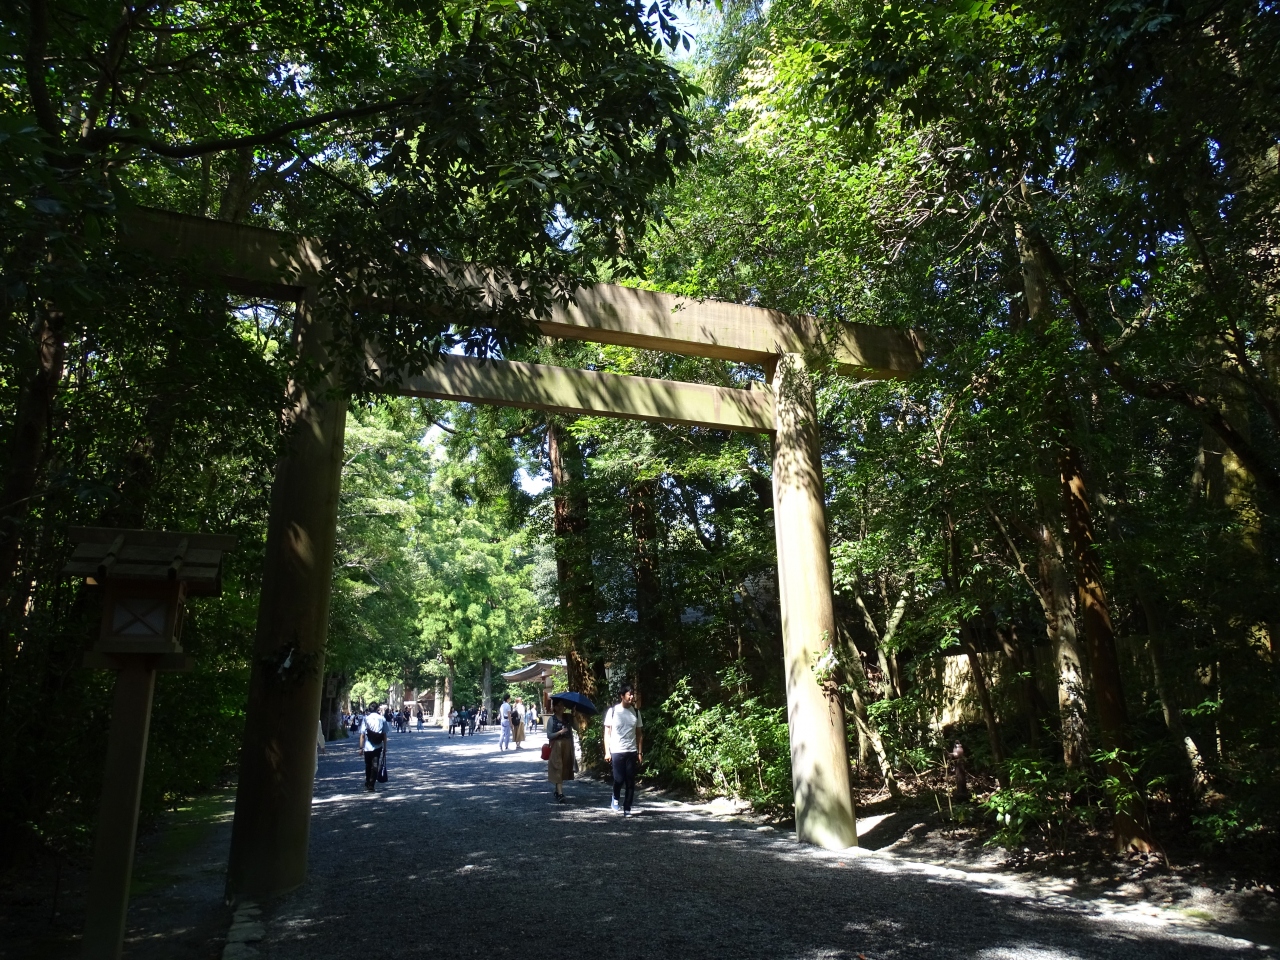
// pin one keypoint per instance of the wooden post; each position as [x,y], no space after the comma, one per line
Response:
[108,897]
[270,833]
[147,574]
[819,753]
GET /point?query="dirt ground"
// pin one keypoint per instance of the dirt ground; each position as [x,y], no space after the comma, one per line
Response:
[175,910]
[1240,894]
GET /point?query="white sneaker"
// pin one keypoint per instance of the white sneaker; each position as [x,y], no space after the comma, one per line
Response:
[614,806]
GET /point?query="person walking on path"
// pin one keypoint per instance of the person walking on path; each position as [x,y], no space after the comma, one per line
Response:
[517,725]
[560,736]
[624,747]
[505,713]
[373,740]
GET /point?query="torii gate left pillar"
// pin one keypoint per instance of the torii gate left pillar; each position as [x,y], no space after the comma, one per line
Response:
[271,831]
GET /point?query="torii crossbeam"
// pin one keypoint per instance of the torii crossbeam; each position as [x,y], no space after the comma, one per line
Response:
[273,800]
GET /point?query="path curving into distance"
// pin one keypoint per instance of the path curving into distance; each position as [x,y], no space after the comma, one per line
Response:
[462,855]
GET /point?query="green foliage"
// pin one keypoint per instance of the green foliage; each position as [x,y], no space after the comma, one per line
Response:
[531,136]
[902,165]
[425,583]
[737,748]
[904,726]
[1044,798]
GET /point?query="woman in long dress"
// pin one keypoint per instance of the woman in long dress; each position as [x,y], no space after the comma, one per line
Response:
[517,725]
[560,735]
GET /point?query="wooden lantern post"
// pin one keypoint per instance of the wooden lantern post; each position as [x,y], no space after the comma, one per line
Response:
[147,576]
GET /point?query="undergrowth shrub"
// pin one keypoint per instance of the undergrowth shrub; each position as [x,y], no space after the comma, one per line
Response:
[1044,798]
[738,748]
[903,725]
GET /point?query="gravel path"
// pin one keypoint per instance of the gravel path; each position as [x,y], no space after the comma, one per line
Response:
[463,855]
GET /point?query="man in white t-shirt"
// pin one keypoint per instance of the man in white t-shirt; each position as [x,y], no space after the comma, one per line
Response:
[624,747]
[505,713]
[373,740]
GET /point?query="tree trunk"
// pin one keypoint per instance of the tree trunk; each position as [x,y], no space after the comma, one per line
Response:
[331,713]
[854,677]
[953,580]
[1169,705]
[886,658]
[890,690]
[447,703]
[868,737]
[1130,828]
[27,444]
[1024,667]
[647,655]
[984,699]
[1056,598]
[1130,825]
[1068,653]
[574,575]
[487,687]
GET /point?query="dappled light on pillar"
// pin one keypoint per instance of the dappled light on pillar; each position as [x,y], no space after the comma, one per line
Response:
[277,761]
[819,755]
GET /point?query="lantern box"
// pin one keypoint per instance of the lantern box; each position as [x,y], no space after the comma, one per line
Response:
[146,576]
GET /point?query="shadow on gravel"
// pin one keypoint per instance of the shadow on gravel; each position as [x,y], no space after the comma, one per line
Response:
[465,856]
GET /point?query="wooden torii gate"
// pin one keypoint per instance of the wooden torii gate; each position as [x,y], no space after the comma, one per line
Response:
[277,770]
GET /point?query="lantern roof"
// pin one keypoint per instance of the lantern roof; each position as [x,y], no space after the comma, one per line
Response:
[108,553]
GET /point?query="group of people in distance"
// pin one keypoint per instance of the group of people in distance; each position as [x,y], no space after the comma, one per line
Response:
[403,720]
[466,720]
[623,742]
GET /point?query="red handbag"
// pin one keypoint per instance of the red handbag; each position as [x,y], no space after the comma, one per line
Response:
[546,751]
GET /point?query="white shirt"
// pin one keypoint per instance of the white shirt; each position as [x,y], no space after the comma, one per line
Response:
[621,725]
[506,713]
[376,723]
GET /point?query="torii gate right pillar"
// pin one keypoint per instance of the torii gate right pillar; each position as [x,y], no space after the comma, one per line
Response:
[819,751]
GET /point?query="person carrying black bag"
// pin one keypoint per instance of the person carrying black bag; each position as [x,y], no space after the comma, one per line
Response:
[373,740]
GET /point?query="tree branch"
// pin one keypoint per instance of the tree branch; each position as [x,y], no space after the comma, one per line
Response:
[360,195]
[109,69]
[37,43]
[1017,556]
[1254,461]
[99,139]
[867,620]
[691,511]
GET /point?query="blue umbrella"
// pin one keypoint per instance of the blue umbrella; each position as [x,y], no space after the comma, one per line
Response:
[576,701]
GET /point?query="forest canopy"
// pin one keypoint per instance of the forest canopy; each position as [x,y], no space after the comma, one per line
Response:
[1056,544]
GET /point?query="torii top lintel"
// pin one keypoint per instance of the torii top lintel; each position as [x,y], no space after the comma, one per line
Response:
[271,263]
